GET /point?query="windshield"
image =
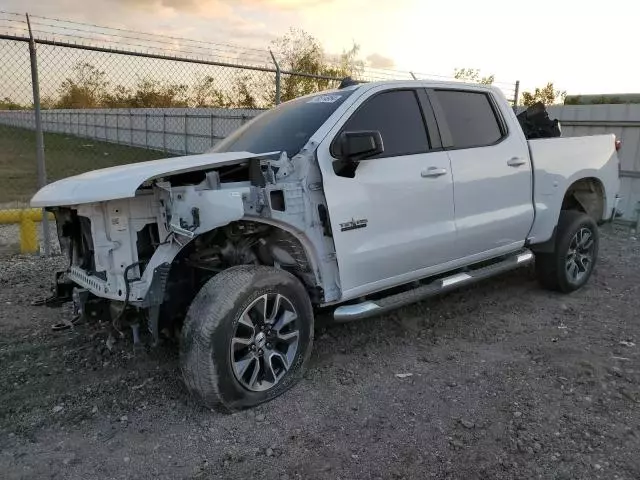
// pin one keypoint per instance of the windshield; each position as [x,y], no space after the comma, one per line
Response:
[287,127]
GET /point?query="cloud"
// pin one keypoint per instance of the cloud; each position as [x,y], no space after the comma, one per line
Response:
[209,8]
[283,4]
[222,7]
[375,60]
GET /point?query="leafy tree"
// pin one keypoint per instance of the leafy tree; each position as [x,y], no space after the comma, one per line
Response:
[245,92]
[203,91]
[86,88]
[150,93]
[298,51]
[349,63]
[472,75]
[548,95]
[48,102]
[7,104]
[120,97]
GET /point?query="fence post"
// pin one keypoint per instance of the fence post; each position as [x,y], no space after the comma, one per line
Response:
[516,94]
[146,129]
[42,173]
[186,139]
[164,132]
[278,80]
[130,117]
[212,139]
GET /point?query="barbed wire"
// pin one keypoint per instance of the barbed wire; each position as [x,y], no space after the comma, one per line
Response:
[176,53]
[206,49]
[177,47]
[191,40]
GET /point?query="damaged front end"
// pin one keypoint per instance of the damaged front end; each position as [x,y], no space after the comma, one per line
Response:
[149,253]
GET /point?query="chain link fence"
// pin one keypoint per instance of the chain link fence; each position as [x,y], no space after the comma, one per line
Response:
[110,97]
[18,162]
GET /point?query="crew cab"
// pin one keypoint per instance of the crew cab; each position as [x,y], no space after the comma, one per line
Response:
[361,199]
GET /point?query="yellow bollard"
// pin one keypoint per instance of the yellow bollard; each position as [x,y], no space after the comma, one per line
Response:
[27,219]
[28,234]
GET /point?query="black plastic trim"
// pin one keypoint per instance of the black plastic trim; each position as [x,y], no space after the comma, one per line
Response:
[548,246]
[433,132]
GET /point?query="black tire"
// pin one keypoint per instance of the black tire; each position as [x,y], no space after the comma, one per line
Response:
[551,268]
[210,330]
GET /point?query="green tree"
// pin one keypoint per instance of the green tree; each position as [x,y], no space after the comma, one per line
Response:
[86,88]
[245,92]
[298,51]
[472,75]
[119,97]
[205,93]
[48,102]
[7,104]
[151,93]
[548,95]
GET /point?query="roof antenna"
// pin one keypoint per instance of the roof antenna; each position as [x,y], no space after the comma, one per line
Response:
[347,82]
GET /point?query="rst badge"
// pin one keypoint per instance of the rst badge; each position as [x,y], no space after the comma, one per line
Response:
[353,224]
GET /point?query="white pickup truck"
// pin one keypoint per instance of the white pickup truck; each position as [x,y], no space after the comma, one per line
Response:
[362,199]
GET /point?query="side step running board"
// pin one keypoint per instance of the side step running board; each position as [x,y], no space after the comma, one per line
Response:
[370,308]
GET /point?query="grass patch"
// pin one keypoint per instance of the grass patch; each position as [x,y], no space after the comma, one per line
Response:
[65,155]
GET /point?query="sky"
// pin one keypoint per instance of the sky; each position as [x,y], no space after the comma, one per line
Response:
[582,46]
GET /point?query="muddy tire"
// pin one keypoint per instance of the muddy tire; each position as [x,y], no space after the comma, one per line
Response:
[247,337]
[570,265]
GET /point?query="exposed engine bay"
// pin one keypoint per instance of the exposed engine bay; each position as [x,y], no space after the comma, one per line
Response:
[155,250]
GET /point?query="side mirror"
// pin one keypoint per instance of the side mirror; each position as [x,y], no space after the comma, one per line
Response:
[356,146]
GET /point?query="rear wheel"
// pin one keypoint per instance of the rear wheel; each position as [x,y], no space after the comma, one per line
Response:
[576,249]
[247,337]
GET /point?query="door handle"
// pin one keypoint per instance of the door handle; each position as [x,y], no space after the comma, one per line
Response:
[432,172]
[516,162]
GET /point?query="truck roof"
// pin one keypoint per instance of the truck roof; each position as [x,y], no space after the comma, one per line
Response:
[424,83]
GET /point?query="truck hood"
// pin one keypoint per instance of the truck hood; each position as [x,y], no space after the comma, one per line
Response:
[123,181]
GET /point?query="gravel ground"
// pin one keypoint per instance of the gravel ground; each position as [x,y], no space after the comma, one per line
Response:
[503,380]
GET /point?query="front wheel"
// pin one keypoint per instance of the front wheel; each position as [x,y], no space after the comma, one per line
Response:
[569,267]
[247,337]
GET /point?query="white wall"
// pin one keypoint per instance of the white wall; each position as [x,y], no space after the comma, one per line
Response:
[176,130]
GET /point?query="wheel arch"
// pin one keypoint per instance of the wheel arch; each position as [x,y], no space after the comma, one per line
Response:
[587,195]
[310,253]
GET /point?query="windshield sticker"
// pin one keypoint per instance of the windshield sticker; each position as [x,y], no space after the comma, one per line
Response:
[325,99]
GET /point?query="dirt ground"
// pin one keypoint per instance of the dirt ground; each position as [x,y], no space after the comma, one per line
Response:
[507,382]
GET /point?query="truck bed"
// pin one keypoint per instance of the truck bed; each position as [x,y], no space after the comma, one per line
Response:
[558,163]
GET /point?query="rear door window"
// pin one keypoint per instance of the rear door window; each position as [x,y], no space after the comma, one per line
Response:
[471,118]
